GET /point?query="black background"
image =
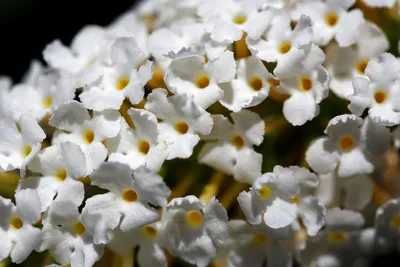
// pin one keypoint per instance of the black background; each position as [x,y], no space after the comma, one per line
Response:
[26,26]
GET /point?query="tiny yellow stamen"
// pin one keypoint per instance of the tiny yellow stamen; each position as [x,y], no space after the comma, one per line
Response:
[237,141]
[239,19]
[347,143]
[194,218]
[361,66]
[122,83]
[285,47]
[78,228]
[337,238]
[264,192]
[129,195]
[260,239]
[202,81]
[331,19]
[150,232]
[88,136]
[27,150]
[47,102]
[305,84]
[380,96]
[395,221]
[144,147]
[295,199]
[16,222]
[61,174]
[256,83]
[181,127]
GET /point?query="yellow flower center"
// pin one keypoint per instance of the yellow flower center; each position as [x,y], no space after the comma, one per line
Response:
[260,239]
[361,66]
[150,232]
[285,47]
[16,222]
[331,19]
[27,150]
[337,238]
[61,174]
[239,19]
[202,81]
[122,83]
[181,127]
[88,136]
[305,84]
[47,102]
[144,147]
[395,221]
[194,218]
[256,83]
[78,228]
[347,143]
[264,192]
[295,199]
[380,96]
[237,141]
[129,195]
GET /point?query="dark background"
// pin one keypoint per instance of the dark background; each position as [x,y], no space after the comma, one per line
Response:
[26,26]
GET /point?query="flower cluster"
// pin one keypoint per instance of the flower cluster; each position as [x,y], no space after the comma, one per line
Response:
[94,132]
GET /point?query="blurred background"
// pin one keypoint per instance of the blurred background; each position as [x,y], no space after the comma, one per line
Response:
[26,26]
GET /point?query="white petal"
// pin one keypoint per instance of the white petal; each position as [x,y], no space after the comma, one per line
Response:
[358,192]
[138,215]
[348,27]
[216,220]
[95,154]
[257,23]
[300,108]
[280,214]
[219,156]
[74,159]
[199,252]
[328,191]
[321,156]
[345,220]
[223,68]
[248,165]
[126,51]
[377,137]
[245,201]
[71,190]
[69,115]
[250,124]
[58,243]
[46,188]
[99,100]
[354,163]
[30,129]
[27,239]
[225,32]
[28,205]
[313,214]
[152,255]
[106,124]
[6,245]
[112,176]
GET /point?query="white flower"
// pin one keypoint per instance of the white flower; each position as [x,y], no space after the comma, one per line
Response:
[20,141]
[18,238]
[250,87]
[344,63]
[190,75]
[82,62]
[310,209]
[348,143]
[379,91]
[182,119]
[232,150]
[57,175]
[75,125]
[252,245]
[149,238]
[338,239]
[380,3]
[192,228]
[124,78]
[387,221]
[68,235]
[353,192]
[138,146]
[272,200]
[286,47]
[306,90]
[127,201]
[332,20]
